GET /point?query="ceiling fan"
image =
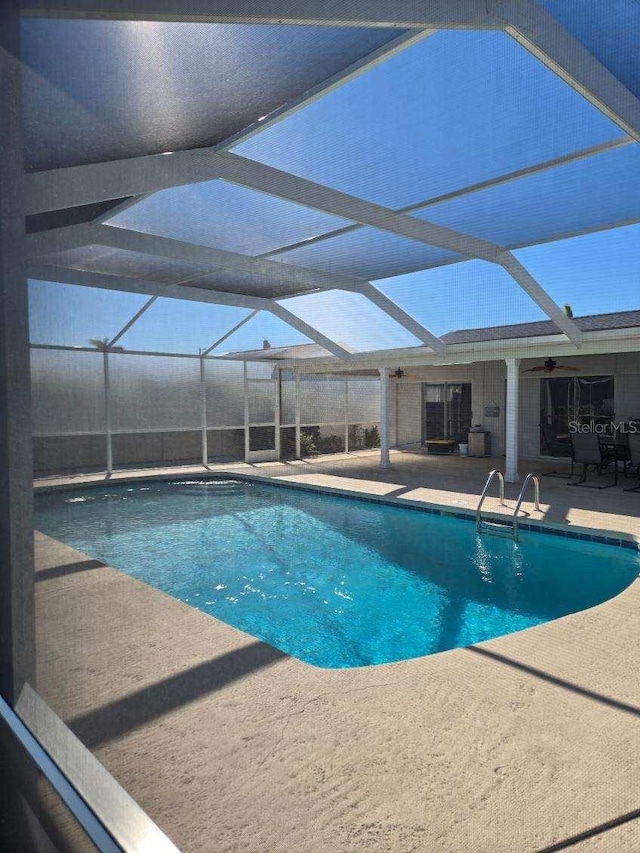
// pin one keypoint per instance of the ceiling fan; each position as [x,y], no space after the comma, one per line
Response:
[402,374]
[550,365]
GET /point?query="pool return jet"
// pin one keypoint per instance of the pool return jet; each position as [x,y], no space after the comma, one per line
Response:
[508,527]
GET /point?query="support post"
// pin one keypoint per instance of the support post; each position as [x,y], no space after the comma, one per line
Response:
[278,413]
[346,414]
[298,442]
[247,435]
[107,411]
[511,416]
[396,403]
[203,414]
[17,637]
[384,417]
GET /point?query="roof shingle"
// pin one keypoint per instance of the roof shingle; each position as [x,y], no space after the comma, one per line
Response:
[590,323]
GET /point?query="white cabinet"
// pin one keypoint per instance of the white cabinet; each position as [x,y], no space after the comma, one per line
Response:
[479,444]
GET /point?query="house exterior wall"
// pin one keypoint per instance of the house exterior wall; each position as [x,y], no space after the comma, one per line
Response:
[408,411]
[488,381]
[487,388]
[529,418]
[627,385]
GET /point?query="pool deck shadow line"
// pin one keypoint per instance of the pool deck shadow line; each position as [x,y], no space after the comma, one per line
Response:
[135,710]
[68,569]
[592,833]
[559,682]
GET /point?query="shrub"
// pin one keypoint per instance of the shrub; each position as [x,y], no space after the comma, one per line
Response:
[331,444]
[372,437]
[356,437]
[307,444]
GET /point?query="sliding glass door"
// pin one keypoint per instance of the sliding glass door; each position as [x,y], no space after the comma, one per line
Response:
[446,411]
[572,402]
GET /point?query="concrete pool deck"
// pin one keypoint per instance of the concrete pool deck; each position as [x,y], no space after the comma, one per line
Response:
[525,743]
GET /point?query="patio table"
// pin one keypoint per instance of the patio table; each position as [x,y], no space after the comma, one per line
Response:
[617,450]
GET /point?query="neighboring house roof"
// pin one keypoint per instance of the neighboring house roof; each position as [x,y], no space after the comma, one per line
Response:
[282,353]
[590,323]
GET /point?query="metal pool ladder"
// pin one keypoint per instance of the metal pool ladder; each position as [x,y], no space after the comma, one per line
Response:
[481,523]
[505,528]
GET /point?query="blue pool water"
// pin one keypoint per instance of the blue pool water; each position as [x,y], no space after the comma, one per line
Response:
[333,581]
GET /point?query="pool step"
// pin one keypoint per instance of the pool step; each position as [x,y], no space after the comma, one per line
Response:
[499,528]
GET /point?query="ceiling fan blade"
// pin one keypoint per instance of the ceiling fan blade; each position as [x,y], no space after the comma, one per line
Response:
[543,369]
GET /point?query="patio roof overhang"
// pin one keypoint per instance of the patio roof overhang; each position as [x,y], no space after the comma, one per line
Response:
[122,177]
[603,342]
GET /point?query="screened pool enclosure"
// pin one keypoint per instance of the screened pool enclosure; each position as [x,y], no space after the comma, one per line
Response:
[256,230]
[312,196]
[103,410]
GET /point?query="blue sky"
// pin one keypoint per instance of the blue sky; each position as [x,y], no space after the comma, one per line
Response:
[456,108]
[595,273]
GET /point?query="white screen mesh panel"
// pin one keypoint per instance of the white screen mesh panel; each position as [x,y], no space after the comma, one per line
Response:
[224,385]
[288,401]
[364,399]
[180,326]
[226,216]
[67,392]
[151,393]
[262,402]
[322,400]
[104,259]
[454,109]
[350,319]
[366,253]
[261,370]
[70,315]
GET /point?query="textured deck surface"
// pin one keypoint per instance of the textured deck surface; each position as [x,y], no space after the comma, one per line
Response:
[520,744]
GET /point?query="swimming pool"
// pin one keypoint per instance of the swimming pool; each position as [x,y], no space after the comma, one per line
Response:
[334,581]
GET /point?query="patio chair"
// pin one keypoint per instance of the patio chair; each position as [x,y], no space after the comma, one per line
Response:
[634,453]
[586,451]
[556,447]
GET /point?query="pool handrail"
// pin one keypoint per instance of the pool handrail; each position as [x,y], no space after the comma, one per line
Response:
[492,474]
[536,485]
